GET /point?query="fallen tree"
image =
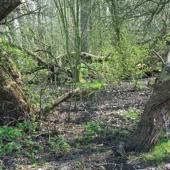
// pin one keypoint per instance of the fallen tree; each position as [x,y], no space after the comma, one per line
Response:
[13,100]
[86,57]
[12,95]
[59,64]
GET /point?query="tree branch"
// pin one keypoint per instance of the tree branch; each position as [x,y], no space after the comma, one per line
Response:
[63,98]
[7,6]
[162,60]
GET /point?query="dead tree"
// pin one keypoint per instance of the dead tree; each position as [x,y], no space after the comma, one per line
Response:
[12,96]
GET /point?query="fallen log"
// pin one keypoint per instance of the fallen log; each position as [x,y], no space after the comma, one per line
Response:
[63,98]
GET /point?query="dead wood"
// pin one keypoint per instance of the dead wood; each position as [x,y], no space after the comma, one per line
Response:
[59,64]
[12,95]
[65,97]
[86,57]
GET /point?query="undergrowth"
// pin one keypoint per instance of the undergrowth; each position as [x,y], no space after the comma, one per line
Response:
[98,136]
[160,153]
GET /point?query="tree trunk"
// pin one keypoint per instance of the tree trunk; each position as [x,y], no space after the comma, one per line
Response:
[13,104]
[155,116]
[12,97]
[84,14]
[7,6]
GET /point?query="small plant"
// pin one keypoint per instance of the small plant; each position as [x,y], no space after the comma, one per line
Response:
[19,140]
[28,126]
[94,85]
[139,84]
[80,165]
[57,144]
[160,153]
[8,142]
[131,116]
[93,128]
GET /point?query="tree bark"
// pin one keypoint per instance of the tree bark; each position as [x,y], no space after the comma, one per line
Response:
[155,115]
[12,97]
[84,14]
[7,6]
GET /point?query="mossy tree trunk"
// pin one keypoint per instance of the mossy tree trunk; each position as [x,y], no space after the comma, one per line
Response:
[13,103]
[155,116]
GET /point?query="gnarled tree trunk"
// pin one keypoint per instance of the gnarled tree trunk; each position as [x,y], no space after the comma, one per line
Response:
[155,116]
[13,104]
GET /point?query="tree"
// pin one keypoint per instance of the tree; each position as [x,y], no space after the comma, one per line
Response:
[72,19]
[66,9]
[12,96]
[7,6]
[155,116]
[157,110]
[84,20]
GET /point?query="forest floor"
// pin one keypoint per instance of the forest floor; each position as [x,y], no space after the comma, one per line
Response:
[92,138]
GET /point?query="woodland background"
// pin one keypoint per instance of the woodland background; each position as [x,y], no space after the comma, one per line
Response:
[83,72]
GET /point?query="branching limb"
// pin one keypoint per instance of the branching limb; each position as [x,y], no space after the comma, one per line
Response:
[162,60]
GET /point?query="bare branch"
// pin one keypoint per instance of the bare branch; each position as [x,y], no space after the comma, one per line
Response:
[64,98]
[162,60]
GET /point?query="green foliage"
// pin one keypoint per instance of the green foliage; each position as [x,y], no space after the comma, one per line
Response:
[28,126]
[138,84]
[19,140]
[94,130]
[35,97]
[131,116]
[160,153]
[126,60]
[22,61]
[54,35]
[58,144]
[93,127]
[8,140]
[90,89]
[96,84]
